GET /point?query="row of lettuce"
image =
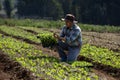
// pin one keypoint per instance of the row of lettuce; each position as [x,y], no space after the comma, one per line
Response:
[43,65]
[16,31]
[57,24]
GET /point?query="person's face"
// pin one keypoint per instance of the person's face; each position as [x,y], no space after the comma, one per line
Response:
[68,23]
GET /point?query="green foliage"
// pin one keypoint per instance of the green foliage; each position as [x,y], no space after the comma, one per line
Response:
[47,39]
[99,28]
[81,64]
[57,24]
[43,65]
[16,31]
[31,23]
[100,55]
[36,30]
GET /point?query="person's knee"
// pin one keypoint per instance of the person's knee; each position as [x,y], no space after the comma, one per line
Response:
[71,59]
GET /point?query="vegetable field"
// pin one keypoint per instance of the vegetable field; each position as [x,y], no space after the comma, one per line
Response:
[27,45]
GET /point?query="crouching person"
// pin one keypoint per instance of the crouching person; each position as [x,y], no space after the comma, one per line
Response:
[70,40]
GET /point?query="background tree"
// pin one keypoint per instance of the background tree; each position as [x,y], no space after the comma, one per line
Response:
[7,7]
[41,8]
[104,12]
[0,5]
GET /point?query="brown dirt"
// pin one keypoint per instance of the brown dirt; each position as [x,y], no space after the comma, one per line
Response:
[12,70]
[3,75]
[105,40]
[98,66]
[31,31]
[102,75]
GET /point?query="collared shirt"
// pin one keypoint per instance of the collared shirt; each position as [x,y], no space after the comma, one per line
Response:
[73,35]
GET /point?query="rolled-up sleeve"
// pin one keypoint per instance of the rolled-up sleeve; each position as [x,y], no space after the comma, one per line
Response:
[74,35]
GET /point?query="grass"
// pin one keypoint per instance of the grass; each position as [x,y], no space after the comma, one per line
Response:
[99,28]
[31,23]
[57,24]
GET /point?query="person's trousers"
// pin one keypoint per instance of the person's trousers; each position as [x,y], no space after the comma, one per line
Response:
[72,54]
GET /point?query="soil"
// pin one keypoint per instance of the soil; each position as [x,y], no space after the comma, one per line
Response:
[105,40]
[12,70]
[102,75]
[3,75]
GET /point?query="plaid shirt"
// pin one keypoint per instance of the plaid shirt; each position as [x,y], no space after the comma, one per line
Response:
[73,35]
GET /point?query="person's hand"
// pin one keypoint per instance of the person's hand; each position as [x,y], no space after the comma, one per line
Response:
[56,36]
[63,39]
[59,38]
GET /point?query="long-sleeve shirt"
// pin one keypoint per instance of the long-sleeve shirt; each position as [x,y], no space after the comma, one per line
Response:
[73,35]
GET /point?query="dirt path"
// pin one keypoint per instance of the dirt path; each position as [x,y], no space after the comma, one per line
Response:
[106,40]
[3,75]
[12,70]
[102,75]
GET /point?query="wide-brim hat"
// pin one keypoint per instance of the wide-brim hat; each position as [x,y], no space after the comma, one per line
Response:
[69,17]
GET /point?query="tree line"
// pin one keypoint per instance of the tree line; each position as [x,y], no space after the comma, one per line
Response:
[86,11]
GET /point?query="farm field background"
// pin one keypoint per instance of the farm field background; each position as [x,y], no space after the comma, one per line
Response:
[100,51]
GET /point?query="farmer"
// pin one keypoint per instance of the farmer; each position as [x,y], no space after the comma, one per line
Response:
[70,40]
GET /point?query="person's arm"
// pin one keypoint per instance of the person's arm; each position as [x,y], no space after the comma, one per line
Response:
[62,34]
[73,36]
